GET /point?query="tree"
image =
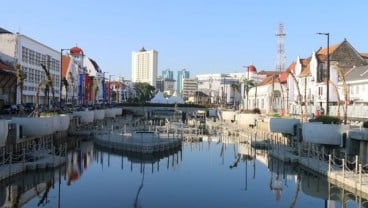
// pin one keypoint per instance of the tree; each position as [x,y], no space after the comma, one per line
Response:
[49,83]
[248,84]
[144,91]
[346,91]
[299,94]
[65,83]
[21,76]
[72,82]
[236,89]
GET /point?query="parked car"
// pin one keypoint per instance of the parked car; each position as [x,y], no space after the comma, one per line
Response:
[9,109]
[29,107]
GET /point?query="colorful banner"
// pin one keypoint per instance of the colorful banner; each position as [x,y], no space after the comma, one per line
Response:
[81,88]
[104,92]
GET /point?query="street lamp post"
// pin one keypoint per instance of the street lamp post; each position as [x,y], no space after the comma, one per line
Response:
[328,71]
[111,75]
[61,73]
[104,88]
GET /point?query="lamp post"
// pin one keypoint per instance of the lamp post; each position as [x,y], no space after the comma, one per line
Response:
[328,71]
[104,87]
[111,75]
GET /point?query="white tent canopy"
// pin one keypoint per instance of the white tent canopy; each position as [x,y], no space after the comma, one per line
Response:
[175,99]
[159,98]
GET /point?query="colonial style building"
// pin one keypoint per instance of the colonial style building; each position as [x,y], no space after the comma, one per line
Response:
[83,81]
[310,75]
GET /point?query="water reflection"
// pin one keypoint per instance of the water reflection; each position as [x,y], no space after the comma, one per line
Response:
[172,157]
[78,160]
[18,190]
[281,184]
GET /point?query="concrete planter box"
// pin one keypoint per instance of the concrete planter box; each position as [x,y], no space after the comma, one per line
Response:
[283,125]
[60,122]
[85,116]
[110,113]
[64,121]
[118,111]
[99,114]
[35,126]
[228,115]
[3,132]
[246,119]
[316,132]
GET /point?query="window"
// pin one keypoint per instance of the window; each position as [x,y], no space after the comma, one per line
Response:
[25,55]
[320,91]
[32,57]
[38,58]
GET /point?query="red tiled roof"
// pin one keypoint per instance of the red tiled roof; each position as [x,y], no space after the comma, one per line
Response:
[365,55]
[268,80]
[332,49]
[284,75]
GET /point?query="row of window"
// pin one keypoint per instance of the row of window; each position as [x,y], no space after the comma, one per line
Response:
[35,58]
[33,89]
[34,76]
[356,89]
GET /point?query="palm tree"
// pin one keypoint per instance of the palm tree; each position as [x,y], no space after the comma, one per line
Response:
[72,82]
[345,88]
[35,112]
[338,97]
[248,84]
[236,88]
[299,94]
[49,83]
[21,76]
[66,85]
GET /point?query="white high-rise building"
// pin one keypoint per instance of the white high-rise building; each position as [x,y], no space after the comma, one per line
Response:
[144,66]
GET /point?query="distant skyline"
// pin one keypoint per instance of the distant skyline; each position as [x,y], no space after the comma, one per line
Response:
[201,36]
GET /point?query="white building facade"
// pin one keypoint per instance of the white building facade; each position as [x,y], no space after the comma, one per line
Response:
[144,66]
[30,54]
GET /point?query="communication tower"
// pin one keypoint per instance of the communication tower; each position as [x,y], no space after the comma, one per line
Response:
[280,60]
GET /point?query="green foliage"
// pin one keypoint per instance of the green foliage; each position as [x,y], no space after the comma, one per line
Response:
[45,114]
[365,124]
[327,119]
[145,92]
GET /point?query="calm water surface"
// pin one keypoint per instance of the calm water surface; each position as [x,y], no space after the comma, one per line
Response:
[203,174]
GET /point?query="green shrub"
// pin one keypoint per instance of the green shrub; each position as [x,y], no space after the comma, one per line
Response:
[327,119]
[365,124]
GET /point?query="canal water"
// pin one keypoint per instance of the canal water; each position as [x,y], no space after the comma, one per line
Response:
[212,173]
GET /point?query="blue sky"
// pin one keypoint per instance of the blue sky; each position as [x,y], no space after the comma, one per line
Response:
[201,36]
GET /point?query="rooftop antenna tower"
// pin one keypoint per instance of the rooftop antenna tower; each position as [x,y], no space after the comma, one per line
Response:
[280,61]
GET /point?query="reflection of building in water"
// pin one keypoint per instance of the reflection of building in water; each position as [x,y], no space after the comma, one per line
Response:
[138,158]
[79,160]
[317,186]
[280,173]
[22,188]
